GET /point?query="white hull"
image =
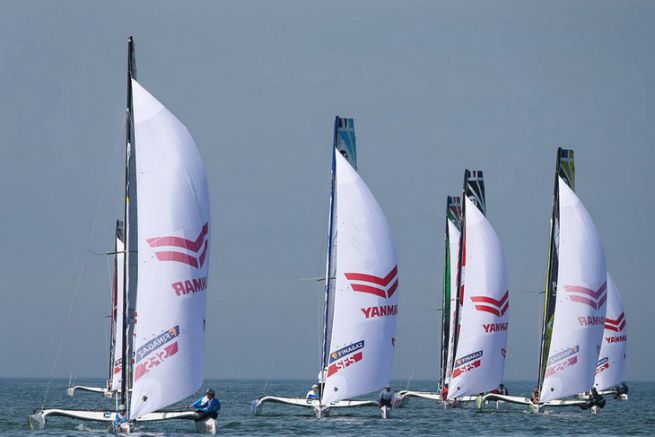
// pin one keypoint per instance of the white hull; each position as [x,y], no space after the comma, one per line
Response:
[535,408]
[38,420]
[319,410]
[70,391]
[402,398]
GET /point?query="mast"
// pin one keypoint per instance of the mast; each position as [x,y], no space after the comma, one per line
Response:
[453,208]
[329,265]
[474,190]
[128,220]
[565,171]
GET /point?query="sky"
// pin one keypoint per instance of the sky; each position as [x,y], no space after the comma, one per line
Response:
[435,87]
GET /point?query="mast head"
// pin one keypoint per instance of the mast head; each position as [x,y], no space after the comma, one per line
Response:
[474,188]
[566,167]
[454,210]
[344,139]
[131,61]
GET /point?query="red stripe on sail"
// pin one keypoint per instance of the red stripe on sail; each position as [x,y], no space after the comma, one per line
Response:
[371,278]
[177,256]
[368,289]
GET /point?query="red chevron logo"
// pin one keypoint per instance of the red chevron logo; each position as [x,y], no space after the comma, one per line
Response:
[587,296]
[194,259]
[490,305]
[375,284]
[615,325]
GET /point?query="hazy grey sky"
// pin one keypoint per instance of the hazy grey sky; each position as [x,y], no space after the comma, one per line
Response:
[435,87]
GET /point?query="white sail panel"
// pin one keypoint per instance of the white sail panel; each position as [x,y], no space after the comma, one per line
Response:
[173,258]
[579,317]
[117,365]
[453,249]
[366,292]
[610,368]
[480,356]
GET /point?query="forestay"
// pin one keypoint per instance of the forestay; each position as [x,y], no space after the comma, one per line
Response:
[484,314]
[610,368]
[173,259]
[366,291]
[579,316]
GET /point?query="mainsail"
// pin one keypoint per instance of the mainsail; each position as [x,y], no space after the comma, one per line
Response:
[483,313]
[116,342]
[611,360]
[449,295]
[173,258]
[574,313]
[365,289]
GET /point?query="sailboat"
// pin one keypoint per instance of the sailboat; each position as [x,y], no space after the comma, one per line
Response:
[448,303]
[475,304]
[575,299]
[361,292]
[113,381]
[610,368]
[165,264]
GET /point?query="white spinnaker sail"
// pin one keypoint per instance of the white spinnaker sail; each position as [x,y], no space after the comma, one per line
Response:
[117,365]
[480,355]
[366,294]
[173,232]
[453,249]
[611,360]
[580,306]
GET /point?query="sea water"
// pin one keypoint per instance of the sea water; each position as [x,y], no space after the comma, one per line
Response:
[19,397]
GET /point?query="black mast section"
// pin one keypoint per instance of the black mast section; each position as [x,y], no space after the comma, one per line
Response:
[129,135]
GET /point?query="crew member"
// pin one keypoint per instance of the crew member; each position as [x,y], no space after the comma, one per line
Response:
[621,390]
[207,406]
[386,398]
[595,400]
[312,394]
[121,416]
[534,398]
[444,392]
[503,390]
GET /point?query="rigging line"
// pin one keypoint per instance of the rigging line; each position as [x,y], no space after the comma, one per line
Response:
[80,274]
[270,369]
[411,376]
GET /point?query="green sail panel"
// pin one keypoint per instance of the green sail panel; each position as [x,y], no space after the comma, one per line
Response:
[344,139]
[564,168]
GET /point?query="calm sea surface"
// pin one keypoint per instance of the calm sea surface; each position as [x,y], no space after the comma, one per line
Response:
[18,397]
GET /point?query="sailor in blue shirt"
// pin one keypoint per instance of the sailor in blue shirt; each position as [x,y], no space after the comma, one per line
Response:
[121,416]
[207,406]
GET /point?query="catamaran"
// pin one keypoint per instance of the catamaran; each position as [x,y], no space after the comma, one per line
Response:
[475,306]
[165,263]
[361,292]
[113,381]
[610,368]
[575,300]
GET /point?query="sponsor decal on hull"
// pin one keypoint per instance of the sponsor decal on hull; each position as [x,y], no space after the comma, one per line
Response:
[602,365]
[380,311]
[591,320]
[190,286]
[467,363]
[157,342]
[178,249]
[347,350]
[383,287]
[595,299]
[560,361]
[497,307]
[345,362]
